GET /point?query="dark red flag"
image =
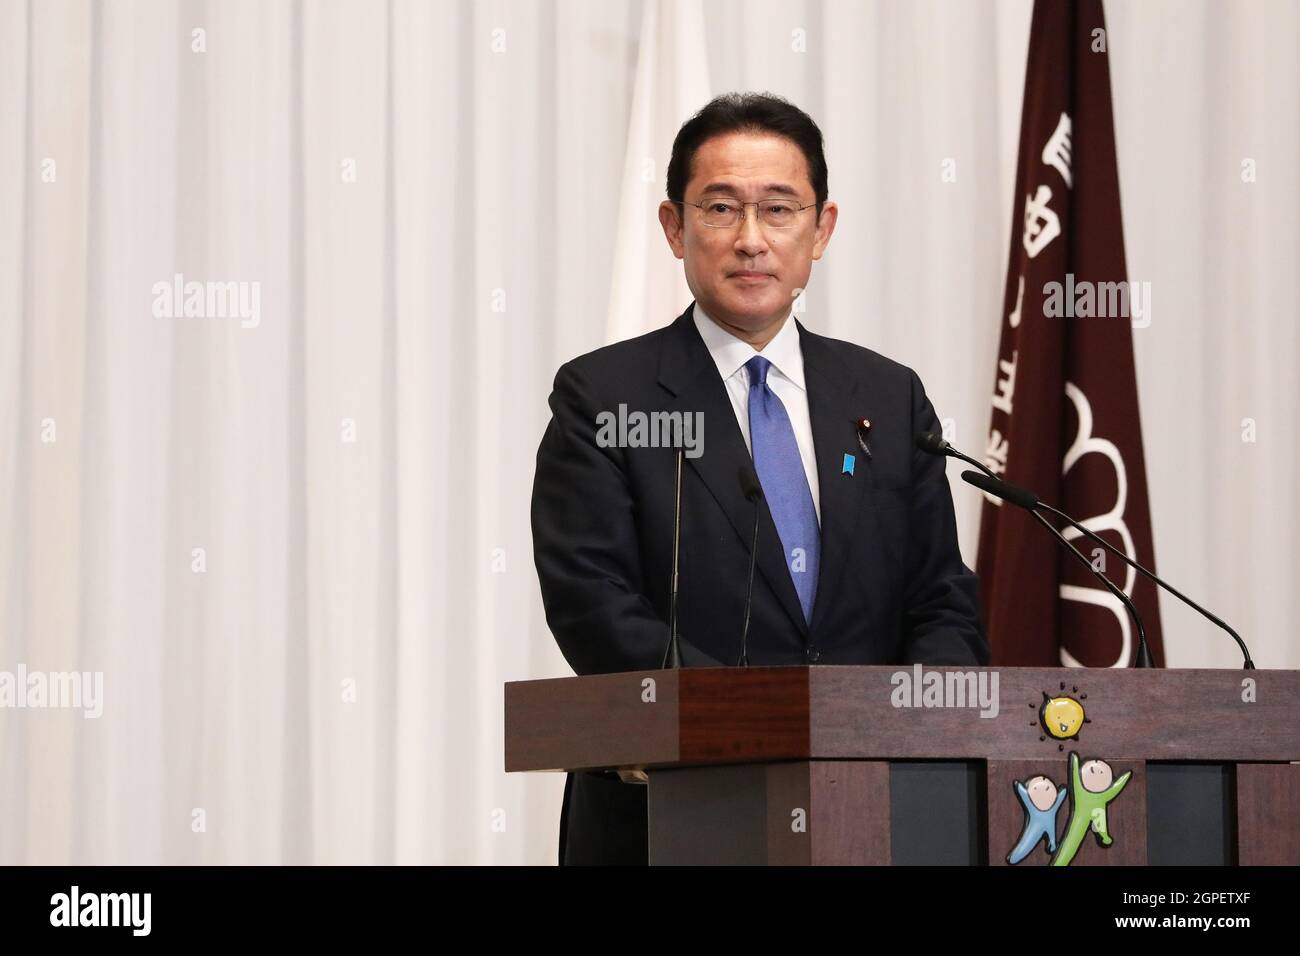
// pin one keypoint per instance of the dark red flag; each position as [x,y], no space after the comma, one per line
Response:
[1065,409]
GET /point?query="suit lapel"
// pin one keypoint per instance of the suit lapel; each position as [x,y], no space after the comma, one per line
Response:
[835,402]
[689,374]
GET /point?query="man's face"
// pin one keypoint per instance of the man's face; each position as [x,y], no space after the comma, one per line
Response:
[746,276]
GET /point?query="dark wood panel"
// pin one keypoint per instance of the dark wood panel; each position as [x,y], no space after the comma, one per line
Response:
[788,791]
[1268,811]
[600,721]
[850,812]
[709,816]
[748,714]
[1132,714]
[791,813]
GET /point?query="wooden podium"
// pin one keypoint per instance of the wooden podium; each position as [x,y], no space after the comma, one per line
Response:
[908,764]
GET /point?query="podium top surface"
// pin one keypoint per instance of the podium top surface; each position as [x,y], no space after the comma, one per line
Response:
[712,715]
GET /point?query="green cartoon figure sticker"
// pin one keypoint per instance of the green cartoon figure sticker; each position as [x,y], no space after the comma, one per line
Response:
[1092,788]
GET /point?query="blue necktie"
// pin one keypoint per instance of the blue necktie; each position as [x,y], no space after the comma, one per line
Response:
[780,471]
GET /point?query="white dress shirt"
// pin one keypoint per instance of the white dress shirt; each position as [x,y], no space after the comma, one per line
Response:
[785,378]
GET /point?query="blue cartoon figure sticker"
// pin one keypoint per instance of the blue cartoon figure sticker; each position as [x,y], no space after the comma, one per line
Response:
[1041,800]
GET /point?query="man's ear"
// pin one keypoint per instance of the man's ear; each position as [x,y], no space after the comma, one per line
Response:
[825,226]
[672,223]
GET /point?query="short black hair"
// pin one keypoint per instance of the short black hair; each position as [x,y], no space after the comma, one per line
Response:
[747,112]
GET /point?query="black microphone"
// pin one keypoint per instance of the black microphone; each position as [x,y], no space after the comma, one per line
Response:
[935,445]
[673,655]
[1023,499]
[932,443]
[753,490]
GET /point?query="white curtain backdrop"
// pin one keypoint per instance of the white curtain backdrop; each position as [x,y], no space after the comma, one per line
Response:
[295,542]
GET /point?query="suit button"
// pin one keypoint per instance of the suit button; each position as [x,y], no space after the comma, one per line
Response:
[812,655]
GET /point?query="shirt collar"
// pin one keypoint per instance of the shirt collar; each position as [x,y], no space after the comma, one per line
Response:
[730,353]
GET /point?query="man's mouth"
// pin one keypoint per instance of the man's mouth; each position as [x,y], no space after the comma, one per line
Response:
[750,276]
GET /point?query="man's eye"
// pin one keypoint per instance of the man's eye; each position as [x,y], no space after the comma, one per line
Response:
[722,207]
[778,211]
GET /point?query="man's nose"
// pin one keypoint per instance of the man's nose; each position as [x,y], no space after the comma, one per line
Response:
[751,239]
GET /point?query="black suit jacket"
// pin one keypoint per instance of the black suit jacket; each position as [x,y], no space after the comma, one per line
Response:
[891,587]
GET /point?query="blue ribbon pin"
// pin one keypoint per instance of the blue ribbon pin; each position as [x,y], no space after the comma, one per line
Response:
[848,465]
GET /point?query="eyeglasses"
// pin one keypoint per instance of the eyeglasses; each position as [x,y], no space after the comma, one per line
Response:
[723,213]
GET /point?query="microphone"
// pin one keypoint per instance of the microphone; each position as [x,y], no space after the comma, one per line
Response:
[935,445]
[673,654]
[1022,498]
[753,490]
[1004,489]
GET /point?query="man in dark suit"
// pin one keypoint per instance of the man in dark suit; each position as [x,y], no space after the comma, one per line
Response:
[857,544]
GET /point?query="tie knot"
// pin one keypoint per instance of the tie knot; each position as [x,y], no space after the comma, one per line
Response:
[758,367]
